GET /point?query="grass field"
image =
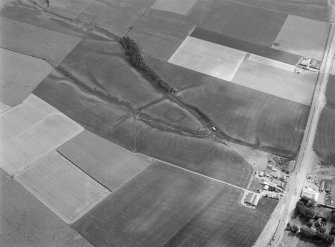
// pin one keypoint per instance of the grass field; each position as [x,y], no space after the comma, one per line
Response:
[106,162]
[199,155]
[90,111]
[162,204]
[35,41]
[208,58]
[62,187]
[324,142]
[25,221]
[20,74]
[251,116]
[172,115]
[33,143]
[101,67]
[288,85]
[303,37]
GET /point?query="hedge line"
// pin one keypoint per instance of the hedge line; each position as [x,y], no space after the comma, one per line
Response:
[135,58]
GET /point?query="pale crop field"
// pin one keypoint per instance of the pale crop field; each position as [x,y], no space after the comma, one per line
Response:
[278,82]
[303,36]
[22,150]
[208,58]
[62,187]
[19,118]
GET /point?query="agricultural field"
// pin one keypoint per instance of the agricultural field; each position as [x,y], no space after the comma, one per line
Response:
[166,206]
[20,74]
[172,115]
[25,221]
[251,116]
[315,9]
[199,155]
[276,81]
[324,142]
[208,58]
[303,37]
[100,67]
[99,149]
[107,163]
[62,187]
[35,41]
[330,91]
[92,112]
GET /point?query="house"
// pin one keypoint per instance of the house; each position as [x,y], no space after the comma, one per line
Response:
[309,193]
[328,188]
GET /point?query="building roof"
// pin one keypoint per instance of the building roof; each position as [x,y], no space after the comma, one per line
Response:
[309,193]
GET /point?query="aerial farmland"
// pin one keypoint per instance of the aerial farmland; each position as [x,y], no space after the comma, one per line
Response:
[166,123]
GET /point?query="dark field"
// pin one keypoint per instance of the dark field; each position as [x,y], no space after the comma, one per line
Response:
[160,207]
[25,221]
[324,142]
[104,161]
[91,112]
[251,116]
[101,67]
[199,155]
[330,91]
[244,22]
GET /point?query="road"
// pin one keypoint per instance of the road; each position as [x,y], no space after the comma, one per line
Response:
[305,160]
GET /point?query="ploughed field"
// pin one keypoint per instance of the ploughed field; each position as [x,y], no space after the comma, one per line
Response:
[123,163]
[166,206]
[324,142]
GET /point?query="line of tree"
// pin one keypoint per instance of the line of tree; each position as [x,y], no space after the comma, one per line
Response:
[136,59]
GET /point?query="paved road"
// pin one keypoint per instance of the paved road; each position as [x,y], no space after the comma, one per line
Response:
[282,213]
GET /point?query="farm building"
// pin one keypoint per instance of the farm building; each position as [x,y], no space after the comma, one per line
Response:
[309,193]
[252,199]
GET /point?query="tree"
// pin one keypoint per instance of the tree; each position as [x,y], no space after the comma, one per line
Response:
[306,232]
[332,230]
[294,228]
[310,224]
